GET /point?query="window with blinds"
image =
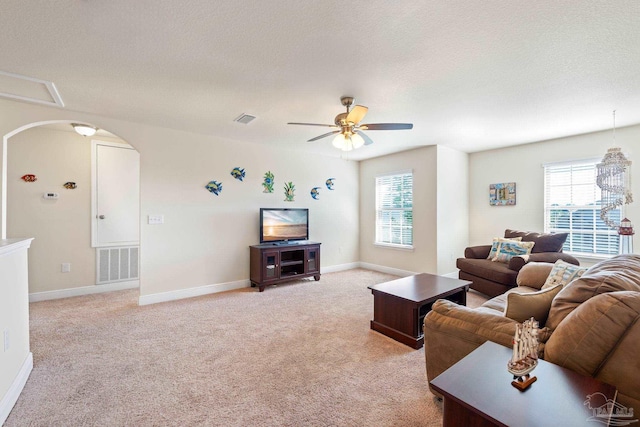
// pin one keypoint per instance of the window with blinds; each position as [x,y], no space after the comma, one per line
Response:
[394,209]
[572,205]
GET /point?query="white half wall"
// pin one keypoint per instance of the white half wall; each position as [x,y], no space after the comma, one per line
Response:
[15,351]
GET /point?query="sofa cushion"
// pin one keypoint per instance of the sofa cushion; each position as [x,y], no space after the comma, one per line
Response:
[495,245]
[509,249]
[543,242]
[563,273]
[620,273]
[534,274]
[601,339]
[523,306]
[499,302]
[495,271]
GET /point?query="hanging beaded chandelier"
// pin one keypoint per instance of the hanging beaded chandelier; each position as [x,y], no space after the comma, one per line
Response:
[614,179]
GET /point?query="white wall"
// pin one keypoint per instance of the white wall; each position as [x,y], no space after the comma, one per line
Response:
[453,206]
[61,227]
[16,361]
[423,258]
[205,238]
[523,165]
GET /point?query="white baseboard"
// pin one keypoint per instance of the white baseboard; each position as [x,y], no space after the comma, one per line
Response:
[388,270]
[192,292]
[84,290]
[453,274]
[239,284]
[10,399]
[340,267]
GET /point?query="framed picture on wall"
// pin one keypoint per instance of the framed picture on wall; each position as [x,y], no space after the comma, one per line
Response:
[503,194]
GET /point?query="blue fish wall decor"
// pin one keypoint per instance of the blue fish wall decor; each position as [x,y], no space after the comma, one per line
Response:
[238,173]
[214,187]
[330,183]
[315,193]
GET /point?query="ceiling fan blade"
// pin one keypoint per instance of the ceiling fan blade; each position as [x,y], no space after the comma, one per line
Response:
[357,114]
[313,124]
[367,140]
[324,135]
[387,126]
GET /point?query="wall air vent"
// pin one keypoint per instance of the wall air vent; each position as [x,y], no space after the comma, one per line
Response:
[245,119]
[29,89]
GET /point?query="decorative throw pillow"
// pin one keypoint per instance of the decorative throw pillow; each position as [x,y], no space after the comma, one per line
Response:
[495,246]
[563,273]
[508,250]
[534,274]
[521,307]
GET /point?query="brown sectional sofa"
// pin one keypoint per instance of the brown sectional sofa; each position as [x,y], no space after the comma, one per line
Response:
[495,278]
[593,327]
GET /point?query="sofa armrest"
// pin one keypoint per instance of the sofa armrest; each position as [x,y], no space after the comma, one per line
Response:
[477,252]
[452,331]
[517,262]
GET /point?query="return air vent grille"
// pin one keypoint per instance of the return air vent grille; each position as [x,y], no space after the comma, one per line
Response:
[117,264]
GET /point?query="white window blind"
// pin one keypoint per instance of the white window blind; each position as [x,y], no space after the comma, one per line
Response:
[572,205]
[394,209]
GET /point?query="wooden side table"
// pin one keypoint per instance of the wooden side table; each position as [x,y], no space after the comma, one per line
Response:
[478,392]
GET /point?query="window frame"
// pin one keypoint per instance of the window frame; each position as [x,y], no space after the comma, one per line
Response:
[378,240]
[596,229]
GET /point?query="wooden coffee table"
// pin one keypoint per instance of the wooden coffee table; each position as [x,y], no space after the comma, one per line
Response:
[478,392]
[399,306]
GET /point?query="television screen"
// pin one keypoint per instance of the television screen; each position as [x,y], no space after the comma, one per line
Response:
[278,225]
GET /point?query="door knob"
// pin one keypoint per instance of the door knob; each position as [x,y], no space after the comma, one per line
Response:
[101,216]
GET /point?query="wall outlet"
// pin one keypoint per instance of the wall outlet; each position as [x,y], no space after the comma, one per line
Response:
[66,267]
[5,336]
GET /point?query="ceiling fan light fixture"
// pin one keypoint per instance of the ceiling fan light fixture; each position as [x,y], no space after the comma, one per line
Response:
[357,140]
[340,142]
[84,130]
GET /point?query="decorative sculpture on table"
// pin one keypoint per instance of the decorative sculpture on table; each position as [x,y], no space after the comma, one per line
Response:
[525,354]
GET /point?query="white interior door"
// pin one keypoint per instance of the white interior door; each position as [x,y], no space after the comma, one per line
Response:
[116,195]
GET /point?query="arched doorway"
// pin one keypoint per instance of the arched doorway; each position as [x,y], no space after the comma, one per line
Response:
[63,262]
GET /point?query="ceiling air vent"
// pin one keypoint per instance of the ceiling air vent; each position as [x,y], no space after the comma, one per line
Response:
[245,119]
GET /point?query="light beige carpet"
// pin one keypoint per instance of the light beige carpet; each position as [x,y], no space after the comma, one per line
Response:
[299,354]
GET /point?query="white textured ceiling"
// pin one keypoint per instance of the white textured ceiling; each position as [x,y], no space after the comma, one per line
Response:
[471,75]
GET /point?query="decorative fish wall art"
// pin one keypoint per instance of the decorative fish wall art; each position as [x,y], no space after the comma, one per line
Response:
[214,187]
[29,178]
[70,185]
[330,183]
[315,193]
[238,173]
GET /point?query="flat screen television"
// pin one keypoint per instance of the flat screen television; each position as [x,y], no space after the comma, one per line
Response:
[279,225]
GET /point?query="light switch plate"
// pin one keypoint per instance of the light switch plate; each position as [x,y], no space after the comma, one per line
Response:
[156,219]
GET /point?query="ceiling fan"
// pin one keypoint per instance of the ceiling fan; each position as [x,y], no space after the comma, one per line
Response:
[348,129]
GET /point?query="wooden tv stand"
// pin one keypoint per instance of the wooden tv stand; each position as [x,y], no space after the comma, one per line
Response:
[273,263]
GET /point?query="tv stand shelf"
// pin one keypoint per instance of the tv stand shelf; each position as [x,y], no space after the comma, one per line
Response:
[272,263]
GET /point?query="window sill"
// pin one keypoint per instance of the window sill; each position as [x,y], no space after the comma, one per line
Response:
[408,248]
